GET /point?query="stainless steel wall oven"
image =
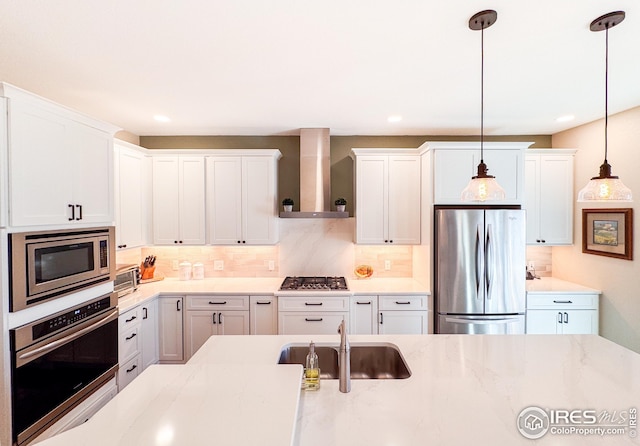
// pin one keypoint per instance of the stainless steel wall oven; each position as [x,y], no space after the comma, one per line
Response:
[58,361]
[50,264]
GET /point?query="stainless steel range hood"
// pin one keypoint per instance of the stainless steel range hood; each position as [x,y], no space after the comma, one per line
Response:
[315,177]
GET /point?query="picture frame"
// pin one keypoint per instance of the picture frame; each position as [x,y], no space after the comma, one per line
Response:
[608,232]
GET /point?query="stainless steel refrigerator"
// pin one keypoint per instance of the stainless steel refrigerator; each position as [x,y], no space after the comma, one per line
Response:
[480,270]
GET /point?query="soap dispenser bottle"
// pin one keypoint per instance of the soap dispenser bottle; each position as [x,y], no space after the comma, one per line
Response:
[312,370]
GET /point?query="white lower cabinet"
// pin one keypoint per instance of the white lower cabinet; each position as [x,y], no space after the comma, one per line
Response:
[138,341]
[562,313]
[312,314]
[364,315]
[263,315]
[170,329]
[403,314]
[214,316]
[149,331]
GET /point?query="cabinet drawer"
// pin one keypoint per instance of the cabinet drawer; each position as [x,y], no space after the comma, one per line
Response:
[565,301]
[129,319]
[128,372]
[313,303]
[129,344]
[315,323]
[402,302]
[217,302]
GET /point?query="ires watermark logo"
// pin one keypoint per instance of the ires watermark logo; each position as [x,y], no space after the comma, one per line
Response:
[534,422]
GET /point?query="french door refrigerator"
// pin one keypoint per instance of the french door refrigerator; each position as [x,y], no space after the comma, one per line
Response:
[479,266]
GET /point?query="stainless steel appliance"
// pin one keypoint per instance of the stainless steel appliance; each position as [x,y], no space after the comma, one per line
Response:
[58,361]
[319,283]
[478,264]
[126,281]
[49,264]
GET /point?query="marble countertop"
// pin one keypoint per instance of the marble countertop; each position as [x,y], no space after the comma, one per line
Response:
[463,390]
[258,286]
[551,285]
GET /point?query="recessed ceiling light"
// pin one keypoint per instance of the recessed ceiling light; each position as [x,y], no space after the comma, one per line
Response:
[565,118]
[394,118]
[161,118]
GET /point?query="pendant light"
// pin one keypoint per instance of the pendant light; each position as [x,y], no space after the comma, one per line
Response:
[606,187]
[482,187]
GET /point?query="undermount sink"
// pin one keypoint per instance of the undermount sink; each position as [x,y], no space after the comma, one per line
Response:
[368,361]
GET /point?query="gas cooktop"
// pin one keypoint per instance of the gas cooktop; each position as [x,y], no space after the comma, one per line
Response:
[302,283]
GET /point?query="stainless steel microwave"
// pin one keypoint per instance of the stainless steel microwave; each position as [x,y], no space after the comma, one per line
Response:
[49,264]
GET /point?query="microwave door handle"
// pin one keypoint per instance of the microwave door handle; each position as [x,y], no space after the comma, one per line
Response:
[33,354]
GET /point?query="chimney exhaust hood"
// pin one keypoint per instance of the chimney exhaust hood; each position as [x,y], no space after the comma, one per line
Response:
[315,177]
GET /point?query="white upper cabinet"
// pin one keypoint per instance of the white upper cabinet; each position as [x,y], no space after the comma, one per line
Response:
[454,163]
[388,195]
[132,181]
[549,196]
[178,200]
[60,164]
[242,197]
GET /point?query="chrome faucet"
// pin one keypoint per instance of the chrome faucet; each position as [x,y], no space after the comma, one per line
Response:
[344,359]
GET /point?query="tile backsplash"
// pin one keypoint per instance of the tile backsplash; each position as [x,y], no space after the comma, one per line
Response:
[306,247]
[322,247]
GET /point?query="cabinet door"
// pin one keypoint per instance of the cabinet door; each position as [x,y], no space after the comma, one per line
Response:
[192,205]
[92,174]
[149,345]
[452,170]
[166,197]
[170,340]
[532,198]
[556,199]
[263,315]
[224,199]
[404,200]
[201,325]
[40,167]
[543,321]
[130,167]
[233,323]
[507,167]
[403,322]
[580,322]
[259,215]
[363,315]
[371,199]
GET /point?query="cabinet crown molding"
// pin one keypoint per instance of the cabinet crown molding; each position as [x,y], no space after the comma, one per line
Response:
[466,145]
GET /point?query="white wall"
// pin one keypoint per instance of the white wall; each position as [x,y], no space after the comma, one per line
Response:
[618,279]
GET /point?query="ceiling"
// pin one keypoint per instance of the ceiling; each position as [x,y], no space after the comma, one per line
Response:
[271,67]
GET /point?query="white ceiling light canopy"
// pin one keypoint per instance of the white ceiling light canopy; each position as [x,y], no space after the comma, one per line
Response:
[161,118]
[606,187]
[482,187]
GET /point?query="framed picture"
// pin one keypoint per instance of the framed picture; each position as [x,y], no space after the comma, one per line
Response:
[608,232]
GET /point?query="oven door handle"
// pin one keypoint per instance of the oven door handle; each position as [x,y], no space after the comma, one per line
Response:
[25,357]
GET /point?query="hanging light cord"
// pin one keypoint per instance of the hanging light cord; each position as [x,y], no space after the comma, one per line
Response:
[606,90]
[482,94]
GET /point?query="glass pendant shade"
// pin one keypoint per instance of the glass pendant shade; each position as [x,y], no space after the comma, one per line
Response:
[483,187]
[605,188]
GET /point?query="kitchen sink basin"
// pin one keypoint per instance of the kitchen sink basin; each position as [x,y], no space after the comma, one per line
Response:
[368,361]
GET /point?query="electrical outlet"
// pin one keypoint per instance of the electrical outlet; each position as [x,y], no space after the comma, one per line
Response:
[218,265]
[272,265]
[175,265]
[387,265]
[530,265]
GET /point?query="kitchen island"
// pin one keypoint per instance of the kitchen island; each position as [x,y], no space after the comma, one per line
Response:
[462,390]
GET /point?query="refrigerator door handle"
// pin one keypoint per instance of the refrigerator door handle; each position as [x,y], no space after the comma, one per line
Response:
[489,263]
[479,260]
[461,320]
